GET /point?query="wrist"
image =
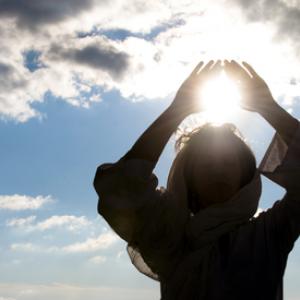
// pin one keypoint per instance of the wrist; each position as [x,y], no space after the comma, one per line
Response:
[271,108]
[177,113]
[283,122]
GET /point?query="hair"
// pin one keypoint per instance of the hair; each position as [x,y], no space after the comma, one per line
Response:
[189,142]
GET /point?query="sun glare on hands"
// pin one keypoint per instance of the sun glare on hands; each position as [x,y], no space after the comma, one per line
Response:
[220,100]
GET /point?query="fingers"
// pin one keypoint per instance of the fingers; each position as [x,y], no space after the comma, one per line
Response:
[210,69]
[207,66]
[198,67]
[250,69]
[210,66]
[236,71]
[217,67]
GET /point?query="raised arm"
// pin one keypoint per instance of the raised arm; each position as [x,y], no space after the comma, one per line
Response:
[257,97]
[128,187]
[187,101]
[129,199]
[281,163]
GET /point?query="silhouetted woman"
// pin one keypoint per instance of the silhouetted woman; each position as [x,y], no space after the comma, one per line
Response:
[198,236]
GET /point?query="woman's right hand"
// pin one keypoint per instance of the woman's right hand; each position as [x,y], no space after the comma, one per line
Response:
[188,98]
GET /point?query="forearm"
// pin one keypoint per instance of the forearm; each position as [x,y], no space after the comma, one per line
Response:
[151,143]
[285,124]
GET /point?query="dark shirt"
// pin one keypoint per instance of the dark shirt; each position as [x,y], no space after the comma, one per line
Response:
[248,262]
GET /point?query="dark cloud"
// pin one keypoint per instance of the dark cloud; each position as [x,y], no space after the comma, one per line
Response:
[10,79]
[4,69]
[286,18]
[33,13]
[102,57]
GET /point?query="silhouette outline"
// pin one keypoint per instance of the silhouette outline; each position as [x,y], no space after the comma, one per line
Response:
[198,236]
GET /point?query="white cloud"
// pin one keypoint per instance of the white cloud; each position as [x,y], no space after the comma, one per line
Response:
[103,241]
[20,222]
[138,67]
[26,247]
[69,222]
[98,260]
[23,202]
[60,291]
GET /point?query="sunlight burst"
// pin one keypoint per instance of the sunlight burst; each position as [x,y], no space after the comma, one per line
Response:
[220,100]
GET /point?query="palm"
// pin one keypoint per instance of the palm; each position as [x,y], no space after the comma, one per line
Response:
[188,98]
[256,95]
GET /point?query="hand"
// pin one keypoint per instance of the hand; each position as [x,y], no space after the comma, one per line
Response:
[188,98]
[255,93]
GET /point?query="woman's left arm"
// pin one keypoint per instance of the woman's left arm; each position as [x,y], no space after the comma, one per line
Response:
[281,163]
[257,97]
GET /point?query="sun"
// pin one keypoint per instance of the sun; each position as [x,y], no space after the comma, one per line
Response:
[221,100]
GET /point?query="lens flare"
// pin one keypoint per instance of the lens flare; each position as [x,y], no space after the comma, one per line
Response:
[220,100]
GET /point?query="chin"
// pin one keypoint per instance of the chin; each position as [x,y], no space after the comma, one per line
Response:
[218,193]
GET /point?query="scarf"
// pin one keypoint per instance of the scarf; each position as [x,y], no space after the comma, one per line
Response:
[207,225]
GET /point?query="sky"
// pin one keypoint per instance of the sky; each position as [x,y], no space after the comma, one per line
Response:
[79,82]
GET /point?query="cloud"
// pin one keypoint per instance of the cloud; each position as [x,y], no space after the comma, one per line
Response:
[11,291]
[20,222]
[284,14]
[26,247]
[69,222]
[5,69]
[98,260]
[23,202]
[72,50]
[101,56]
[32,14]
[103,241]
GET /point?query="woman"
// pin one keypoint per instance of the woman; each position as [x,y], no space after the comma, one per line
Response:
[198,236]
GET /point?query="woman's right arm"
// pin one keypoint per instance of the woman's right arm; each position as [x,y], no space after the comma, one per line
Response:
[127,188]
[187,101]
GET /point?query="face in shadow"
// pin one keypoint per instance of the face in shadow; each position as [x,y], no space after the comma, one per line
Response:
[218,165]
[216,173]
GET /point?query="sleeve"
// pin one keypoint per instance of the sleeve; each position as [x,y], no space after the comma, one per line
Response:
[140,213]
[281,164]
[125,188]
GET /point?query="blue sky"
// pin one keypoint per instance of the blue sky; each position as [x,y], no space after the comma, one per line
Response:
[77,88]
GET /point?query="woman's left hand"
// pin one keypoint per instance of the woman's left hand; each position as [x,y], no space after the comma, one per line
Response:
[255,93]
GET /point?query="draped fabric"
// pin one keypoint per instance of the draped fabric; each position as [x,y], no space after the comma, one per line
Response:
[222,252]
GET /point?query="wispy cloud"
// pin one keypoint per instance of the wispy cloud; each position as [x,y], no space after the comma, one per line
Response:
[103,241]
[20,222]
[75,47]
[61,291]
[44,12]
[69,222]
[23,202]
[26,247]
[98,260]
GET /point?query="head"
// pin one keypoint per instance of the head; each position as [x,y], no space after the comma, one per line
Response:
[217,163]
